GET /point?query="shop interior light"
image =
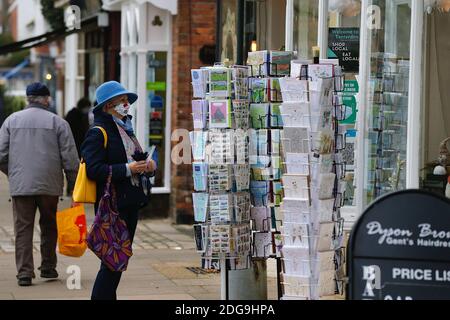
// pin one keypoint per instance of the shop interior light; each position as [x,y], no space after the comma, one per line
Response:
[48,76]
[254,46]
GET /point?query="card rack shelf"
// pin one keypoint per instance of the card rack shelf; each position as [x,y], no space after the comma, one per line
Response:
[388,125]
[265,119]
[318,237]
[223,233]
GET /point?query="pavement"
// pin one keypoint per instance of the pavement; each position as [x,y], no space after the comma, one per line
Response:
[158,270]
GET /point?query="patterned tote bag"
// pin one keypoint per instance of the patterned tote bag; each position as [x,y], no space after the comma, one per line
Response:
[108,237]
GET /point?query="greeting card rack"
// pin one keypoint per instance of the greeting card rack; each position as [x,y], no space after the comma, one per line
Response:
[312,229]
[222,210]
[265,152]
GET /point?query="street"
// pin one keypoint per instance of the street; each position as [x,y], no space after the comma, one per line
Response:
[157,270]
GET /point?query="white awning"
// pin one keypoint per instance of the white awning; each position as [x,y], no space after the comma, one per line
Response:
[170,5]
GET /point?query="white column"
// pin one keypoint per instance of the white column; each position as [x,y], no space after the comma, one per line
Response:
[71,71]
[361,127]
[142,120]
[289,38]
[415,96]
[323,29]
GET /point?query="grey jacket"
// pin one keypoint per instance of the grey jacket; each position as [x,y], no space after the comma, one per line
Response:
[35,147]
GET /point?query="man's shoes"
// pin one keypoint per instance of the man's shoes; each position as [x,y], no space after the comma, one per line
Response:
[24,282]
[49,274]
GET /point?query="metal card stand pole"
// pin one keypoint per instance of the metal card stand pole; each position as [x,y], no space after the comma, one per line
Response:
[224,280]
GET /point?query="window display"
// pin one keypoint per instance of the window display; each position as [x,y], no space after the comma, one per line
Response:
[387,112]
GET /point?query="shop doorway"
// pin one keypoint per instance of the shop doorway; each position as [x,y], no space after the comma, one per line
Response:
[436,95]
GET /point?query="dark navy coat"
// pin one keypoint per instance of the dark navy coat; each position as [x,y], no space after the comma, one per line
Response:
[98,159]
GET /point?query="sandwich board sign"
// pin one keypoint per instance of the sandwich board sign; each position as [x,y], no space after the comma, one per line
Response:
[399,249]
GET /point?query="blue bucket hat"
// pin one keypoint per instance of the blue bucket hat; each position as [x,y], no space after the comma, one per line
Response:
[110,90]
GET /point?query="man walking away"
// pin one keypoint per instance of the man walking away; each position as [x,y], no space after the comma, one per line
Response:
[35,147]
[78,119]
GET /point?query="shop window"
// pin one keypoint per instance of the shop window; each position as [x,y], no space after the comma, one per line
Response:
[156,109]
[344,22]
[385,139]
[306,19]
[229,37]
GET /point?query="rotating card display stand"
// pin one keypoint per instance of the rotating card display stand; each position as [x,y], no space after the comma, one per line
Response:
[267,68]
[313,171]
[221,169]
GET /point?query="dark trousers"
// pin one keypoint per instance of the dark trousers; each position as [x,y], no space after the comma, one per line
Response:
[107,281]
[24,211]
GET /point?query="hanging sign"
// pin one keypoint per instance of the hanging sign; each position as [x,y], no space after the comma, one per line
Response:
[343,43]
[400,249]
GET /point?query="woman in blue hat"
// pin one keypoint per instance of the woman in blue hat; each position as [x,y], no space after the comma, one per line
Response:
[111,113]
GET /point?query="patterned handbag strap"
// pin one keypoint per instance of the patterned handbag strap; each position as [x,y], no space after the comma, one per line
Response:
[108,181]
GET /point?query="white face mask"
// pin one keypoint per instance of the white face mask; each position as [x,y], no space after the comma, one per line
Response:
[122,109]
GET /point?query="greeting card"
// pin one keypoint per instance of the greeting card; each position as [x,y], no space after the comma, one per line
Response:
[325,237]
[220,177]
[259,115]
[326,185]
[219,82]
[258,63]
[297,163]
[277,192]
[220,236]
[241,114]
[241,174]
[222,146]
[262,244]
[199,83]
[200,202]
[294,90]
[295,140]
[275,145]
[317,71]
[261,218]
[200,175]
[260,193]
[220,114]
[221,208]
[199,238]
[296,234]
[297,286]
[199,140]
[296,186]
[275,90]
[259,88]
[240,81]
[299,69]
[280,63]
[295,114]
[276,119]
[296,261]
[200,113]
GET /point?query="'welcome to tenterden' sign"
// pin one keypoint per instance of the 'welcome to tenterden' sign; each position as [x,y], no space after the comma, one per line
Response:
[400,249]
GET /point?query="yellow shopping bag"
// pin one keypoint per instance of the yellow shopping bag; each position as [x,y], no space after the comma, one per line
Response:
[72,231]
[85,190]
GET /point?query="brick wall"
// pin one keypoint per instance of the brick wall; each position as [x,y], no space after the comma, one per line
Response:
[194,27]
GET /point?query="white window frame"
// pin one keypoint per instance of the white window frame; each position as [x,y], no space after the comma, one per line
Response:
[138,13]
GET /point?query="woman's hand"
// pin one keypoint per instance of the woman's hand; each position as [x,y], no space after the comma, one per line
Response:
[151,166]
[138,167]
